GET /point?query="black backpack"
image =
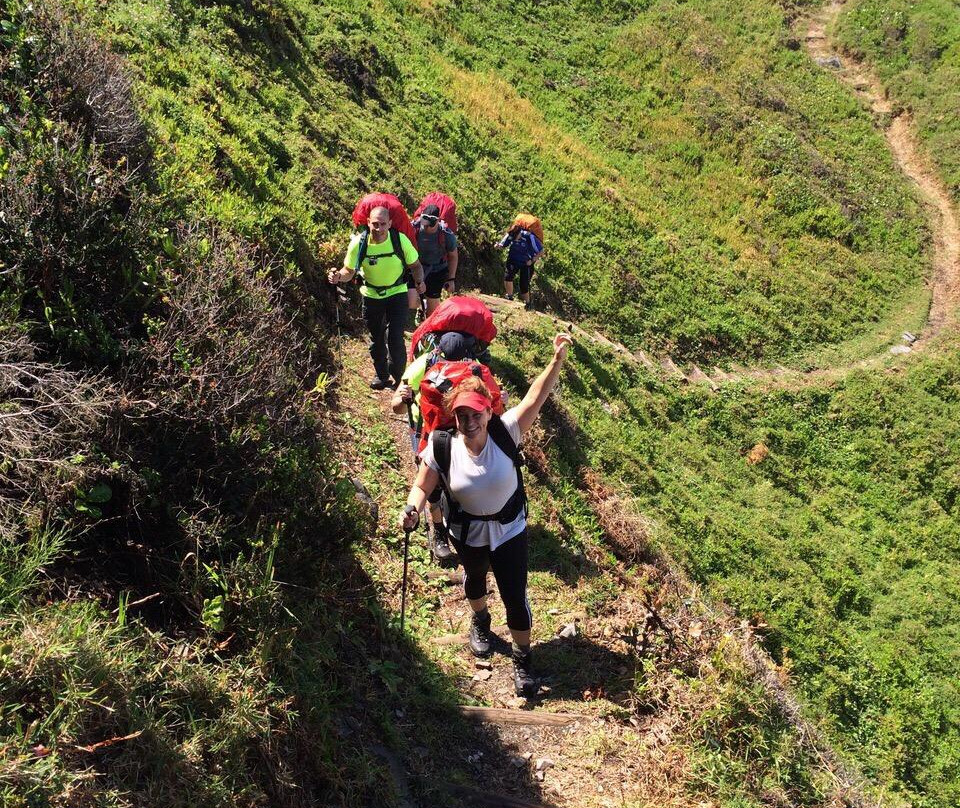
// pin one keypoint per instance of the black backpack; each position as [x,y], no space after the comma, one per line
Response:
[453,514]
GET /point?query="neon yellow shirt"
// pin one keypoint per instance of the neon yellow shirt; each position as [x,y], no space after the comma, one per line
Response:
[386,271]
[413,375]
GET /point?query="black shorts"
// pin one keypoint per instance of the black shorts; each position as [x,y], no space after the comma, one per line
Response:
[435,283]
[525,271]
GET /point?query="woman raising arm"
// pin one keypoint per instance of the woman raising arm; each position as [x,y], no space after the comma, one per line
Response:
[485,505]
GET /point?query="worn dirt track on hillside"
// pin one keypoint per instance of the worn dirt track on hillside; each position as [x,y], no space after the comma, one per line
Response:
[944,282]
[898,129]
[591,740]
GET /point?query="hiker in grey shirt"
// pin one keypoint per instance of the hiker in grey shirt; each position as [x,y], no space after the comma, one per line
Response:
[437,245]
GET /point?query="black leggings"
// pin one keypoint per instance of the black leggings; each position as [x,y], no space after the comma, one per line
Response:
[509,562]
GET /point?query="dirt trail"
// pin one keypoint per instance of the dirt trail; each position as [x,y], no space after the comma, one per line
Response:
[898,129]
[627,647]
[901,138]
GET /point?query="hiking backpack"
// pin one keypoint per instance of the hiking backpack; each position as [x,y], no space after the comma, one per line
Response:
[452,512]
[527,221]
[458,313]
[439,379]
[400,224]
[448,208]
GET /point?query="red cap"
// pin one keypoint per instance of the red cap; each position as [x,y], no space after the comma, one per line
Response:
[473,400]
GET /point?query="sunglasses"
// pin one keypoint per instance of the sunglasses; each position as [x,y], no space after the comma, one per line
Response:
[431,220]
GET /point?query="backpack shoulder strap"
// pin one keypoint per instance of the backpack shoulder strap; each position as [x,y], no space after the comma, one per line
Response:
[441,450]
[398,247]
[501,436]
[362,249]
[518,501]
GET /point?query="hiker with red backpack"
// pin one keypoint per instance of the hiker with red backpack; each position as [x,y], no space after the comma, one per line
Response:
[451,344]
[525,242]
[385,258]
[438,254]
[484,503]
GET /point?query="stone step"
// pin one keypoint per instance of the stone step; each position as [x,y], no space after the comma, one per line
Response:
[644,360]
[670,367]
[697,376]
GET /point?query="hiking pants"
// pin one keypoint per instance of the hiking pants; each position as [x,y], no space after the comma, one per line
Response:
[525,271]
[386,318]
[509,562]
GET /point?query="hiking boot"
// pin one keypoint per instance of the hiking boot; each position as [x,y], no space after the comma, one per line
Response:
[480,636]
[509,297]
[523,681]
[440,545]
[379,384]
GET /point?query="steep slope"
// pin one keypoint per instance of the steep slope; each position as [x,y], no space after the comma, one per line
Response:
[193,611]
[706,189]
[915,48]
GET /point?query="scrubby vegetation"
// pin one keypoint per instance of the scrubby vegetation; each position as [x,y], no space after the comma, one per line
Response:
[704,187]
[189,613]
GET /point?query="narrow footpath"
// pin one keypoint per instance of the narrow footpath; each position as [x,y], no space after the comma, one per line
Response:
[633,658]
[944,281]
[634,661]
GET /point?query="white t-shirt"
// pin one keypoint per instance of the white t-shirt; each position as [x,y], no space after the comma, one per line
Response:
[482,484]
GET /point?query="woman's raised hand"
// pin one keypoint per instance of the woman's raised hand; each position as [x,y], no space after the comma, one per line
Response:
[561,343]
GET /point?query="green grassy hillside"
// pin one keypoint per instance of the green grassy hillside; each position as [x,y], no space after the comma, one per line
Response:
[191,610]
[706,189]
[840,538]
[915,49]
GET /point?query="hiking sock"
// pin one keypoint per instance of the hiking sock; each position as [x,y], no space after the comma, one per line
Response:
[480,637]
[523,681]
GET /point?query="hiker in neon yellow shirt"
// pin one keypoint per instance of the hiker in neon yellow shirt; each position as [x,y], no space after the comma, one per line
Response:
[384,292]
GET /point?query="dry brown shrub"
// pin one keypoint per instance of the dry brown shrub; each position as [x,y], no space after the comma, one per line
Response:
[85,83]
[48,415]
[227,354]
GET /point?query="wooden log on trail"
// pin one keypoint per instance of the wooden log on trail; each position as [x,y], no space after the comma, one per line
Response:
[484,799]
[500,715]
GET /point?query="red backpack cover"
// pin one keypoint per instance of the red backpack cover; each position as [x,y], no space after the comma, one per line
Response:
[448,208]
[398,216]
[440,379]
[458,313]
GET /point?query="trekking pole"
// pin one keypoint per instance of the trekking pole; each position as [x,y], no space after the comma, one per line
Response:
[406,556]
[341,297]
[414,437]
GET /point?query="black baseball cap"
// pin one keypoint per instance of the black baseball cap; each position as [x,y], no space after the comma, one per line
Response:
[455,345]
